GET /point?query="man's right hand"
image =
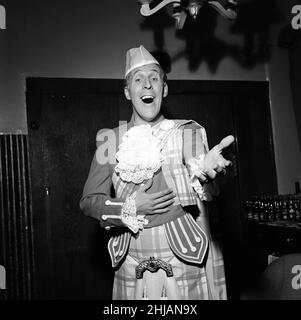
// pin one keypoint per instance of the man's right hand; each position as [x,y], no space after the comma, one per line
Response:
[153,203]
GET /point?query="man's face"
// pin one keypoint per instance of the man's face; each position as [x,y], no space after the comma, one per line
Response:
[146,89]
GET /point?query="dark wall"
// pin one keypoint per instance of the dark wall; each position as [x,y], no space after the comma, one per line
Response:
[295,67]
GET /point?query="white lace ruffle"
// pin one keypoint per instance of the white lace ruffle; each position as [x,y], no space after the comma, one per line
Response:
[129,215]
[139,155]
[197,176]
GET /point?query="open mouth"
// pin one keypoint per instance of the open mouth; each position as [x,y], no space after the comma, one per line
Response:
[147,99]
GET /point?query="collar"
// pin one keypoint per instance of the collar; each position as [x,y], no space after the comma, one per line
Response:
[132,123]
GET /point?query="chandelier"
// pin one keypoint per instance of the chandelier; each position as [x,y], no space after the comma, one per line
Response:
[226,8]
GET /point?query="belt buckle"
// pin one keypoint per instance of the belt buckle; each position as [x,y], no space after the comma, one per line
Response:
[153,265]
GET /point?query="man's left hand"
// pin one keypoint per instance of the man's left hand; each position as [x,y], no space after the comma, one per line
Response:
[214,162]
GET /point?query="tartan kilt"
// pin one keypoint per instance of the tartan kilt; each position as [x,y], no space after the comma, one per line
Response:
[193,282]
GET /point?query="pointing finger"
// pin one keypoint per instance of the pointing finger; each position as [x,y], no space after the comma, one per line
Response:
[226,142]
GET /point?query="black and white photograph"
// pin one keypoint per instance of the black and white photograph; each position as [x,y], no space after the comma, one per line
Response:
[150,150]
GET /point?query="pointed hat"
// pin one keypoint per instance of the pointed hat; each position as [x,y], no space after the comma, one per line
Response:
[137,57]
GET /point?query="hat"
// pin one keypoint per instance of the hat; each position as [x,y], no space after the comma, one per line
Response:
[137,57]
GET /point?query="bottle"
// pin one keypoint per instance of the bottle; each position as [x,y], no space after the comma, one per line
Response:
[270,210]
[297,208]
[284,208]
[291,211]
[277,208]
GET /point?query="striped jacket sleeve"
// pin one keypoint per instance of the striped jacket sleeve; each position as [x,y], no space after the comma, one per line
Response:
[195,147]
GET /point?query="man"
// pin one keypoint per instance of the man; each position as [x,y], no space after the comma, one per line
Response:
[161,174]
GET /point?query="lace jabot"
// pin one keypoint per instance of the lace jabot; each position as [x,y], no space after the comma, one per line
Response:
[139,155]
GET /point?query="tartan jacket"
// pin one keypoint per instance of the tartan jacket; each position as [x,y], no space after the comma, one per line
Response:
[186,238]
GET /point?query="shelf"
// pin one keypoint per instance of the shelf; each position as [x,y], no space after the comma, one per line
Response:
[296,226]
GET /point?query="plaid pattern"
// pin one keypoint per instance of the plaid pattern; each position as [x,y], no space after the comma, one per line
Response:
[193,282]
[214,261]
[174,171]
[216,272]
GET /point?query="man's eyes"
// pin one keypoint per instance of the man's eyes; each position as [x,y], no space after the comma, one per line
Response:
[155,78]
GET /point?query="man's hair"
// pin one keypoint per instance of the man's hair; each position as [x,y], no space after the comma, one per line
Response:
[162,74]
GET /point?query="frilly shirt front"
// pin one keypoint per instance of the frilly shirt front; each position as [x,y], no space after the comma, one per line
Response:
[139,155]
